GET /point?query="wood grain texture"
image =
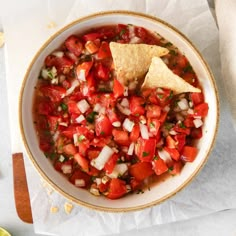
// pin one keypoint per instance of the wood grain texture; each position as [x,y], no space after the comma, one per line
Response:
[22,199]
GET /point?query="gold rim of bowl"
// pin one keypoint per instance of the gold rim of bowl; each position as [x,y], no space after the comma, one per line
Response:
[57,188]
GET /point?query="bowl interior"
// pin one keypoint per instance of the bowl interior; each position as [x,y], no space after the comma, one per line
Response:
[158,192]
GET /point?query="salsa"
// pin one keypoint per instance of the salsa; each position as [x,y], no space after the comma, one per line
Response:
[107,137]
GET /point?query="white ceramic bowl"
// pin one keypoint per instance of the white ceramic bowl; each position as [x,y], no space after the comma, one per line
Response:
[159,192]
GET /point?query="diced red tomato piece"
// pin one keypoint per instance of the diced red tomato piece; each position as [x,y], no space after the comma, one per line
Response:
[189,153]
[82,161]
[190,78]
[196,133]
[177,71]
[181,128]
[164,96]
[69,149]
[78,174]
[153,111]
[197,98]
[117,189]
[69,131]
[102,72]
[62,64]
[74,45]
[44,108]
[159,166]
[91,36]
[141,170]
[201,110]
[135,184]
[145,149]
[93,153]
[112,115]
[163,116]
[82,70]
[180,141]
[54,92]
[121,137]
[103,126]
[118,89]
[73,108]
[170,142]
[154,126]
[182,61]
[83,147]
[188,122]
[174,153]
[44,145]
[104,51]
[91,83]
[53,122]
[103,187]
[66,84]
[141,32]
[136,107]
[135,133]
[176,168]
[110,164]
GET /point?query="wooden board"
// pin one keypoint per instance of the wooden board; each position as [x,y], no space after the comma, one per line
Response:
[22,199]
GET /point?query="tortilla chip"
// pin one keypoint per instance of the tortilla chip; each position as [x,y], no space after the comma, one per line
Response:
[159,75]
[131,61]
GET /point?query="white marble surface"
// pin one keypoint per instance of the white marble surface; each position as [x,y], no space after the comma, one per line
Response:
[220,223]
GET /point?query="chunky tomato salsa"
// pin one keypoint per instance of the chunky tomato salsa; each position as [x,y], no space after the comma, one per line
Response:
[107,137]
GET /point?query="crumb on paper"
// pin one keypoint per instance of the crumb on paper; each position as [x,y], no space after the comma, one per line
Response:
[54,209]
[47,187]
[51,25]
[68,207]
[1,39]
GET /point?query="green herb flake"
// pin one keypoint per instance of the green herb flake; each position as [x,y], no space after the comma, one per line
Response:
[173,52]
[155,158]
[160,95]
[91,116]
[81,138]
[152,125]
[188,68]
[169,44]
[168,126]
[50,75]
[170,169]
[102,133]
[139,191]
[64,107]
[123,31]
[182,125]
[171,95]
[51,156]
[145,154]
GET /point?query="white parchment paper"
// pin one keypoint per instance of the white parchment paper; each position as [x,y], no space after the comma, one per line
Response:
[212,190]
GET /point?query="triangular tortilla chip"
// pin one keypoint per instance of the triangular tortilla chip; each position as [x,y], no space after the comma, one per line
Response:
[131,61]
[159,75]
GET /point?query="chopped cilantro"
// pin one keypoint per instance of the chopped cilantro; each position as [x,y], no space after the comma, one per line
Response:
[123,31]
[102,133]
[91,116]
[152,125]
[51,155]
[171,95]
[64,107]
[168,126]
[188,68]
[155,158]
[145,154]
[81,138]
[169,44]
[160,95]
[170,168]
[181,125]
[50,74]
[93,178]
[173,52]
[139,191]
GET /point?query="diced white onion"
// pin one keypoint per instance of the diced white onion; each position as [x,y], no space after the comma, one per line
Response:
[124,110]
[97,107]
[66,169]
[98,181]
[100,161]
[74,84]
[94,191]
[135,39]
[55,136]
[160,90]
[131,31]
[85,90]
[190,111]
[131,149]
[116,124]
[197,123]
[83,105]
[166,108]
[119,170]
[75,139]
[166,60]
[124,102]
[126,91]
[144,131]
[128,188]
[183,104]
[172,132]
[80,183]
[63,124]
[81,75]
[179,117]
[164,155]
[54,81]
[80,118]
[44,73]
[105,179]
[190,104]
[58,54]
[115,150]
[128,124]
[61,158]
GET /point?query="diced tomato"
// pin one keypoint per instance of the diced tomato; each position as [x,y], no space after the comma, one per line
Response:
[135,184]
[118,89]
[163,116]
[159,166]
[141,32]
[74,45]
[44,145]
[190,78]
[62,64]
[44,108]
[189,153]
[82,70]
[154,126]
[103,126]
[103,187]
[170,142]
[91,36]
[54,92]
[69,149]
[91,83]
[121,137]
[104,51]
[53,122]
[83,147]
[69,131]
[153,111]
[117,189]
[141,170]
[100,142]
[93,171]
[112,115]
[82,161]
[180,141]
[174,153]
[175,168]
[78,174]
[182,61]
[93,153]
[110,164]
[197,98]
[66,84]
[73,108]
[177,71]
[181,128]
[164,96]
[134,135]
[136,106]
[123,33]
[201,110]
[102,72]
[196,133]
[188,122]
[145,149]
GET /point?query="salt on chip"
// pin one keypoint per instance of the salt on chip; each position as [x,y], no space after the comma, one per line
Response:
[131,61]
[159,75]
